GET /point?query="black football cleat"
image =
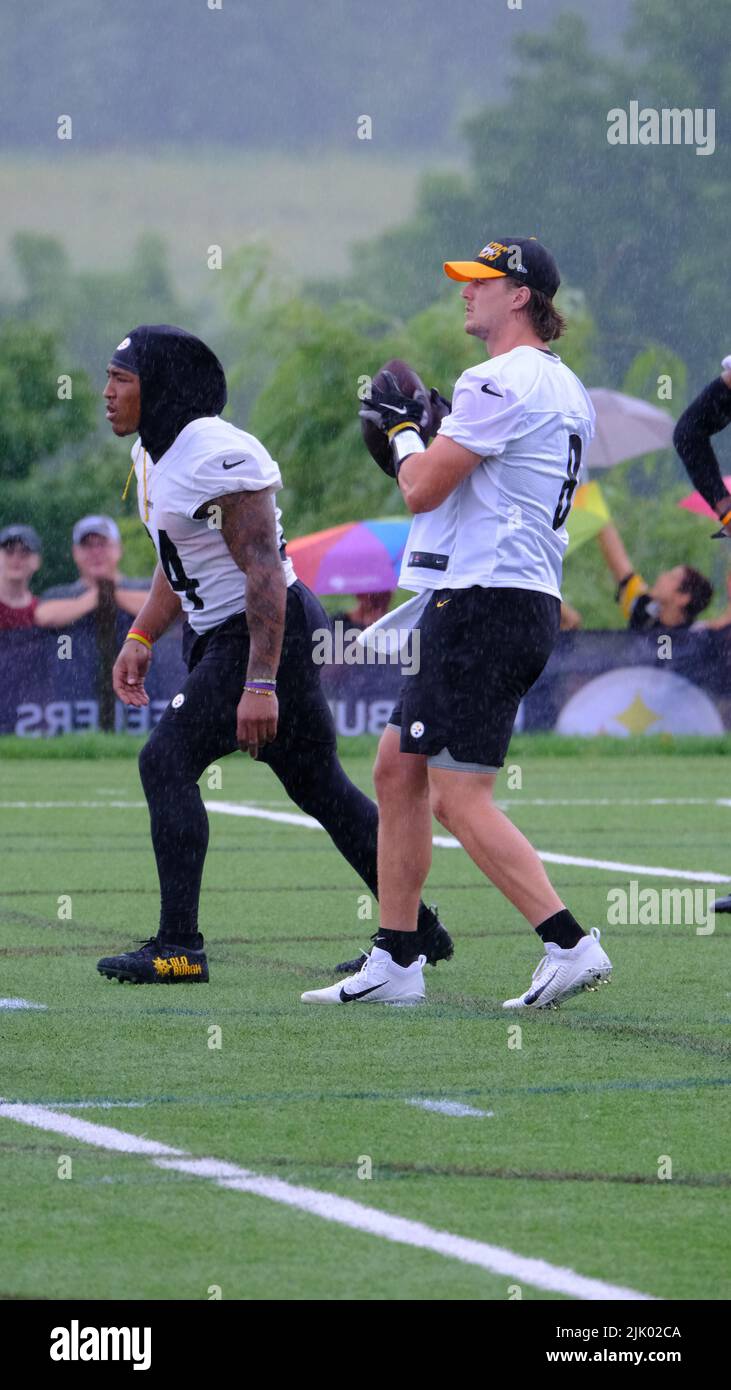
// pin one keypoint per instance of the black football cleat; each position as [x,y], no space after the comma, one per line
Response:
[158,963]
[723,904]
[433,939]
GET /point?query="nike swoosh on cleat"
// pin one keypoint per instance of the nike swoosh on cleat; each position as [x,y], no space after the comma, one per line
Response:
[490,390]
[235,464]
[532,998]
[346,998]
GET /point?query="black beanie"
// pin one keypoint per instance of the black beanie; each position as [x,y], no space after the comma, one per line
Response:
[180,380]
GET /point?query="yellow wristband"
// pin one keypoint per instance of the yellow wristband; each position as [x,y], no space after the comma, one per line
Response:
[726,519]
[402,425]
[138,637]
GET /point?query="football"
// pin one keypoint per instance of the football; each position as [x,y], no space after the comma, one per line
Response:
[412,385]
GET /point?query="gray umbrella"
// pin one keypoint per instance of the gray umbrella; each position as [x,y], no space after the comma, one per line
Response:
[625,428]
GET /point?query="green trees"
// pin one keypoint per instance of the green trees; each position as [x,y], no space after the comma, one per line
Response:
[57,460]
[640,229]
[45,408]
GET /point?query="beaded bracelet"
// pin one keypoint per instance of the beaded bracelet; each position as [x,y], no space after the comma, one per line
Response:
[262,687]
[136,635]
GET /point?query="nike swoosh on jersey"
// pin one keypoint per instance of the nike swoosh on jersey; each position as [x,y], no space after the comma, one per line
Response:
[346,998]
[490,390]
[235,464]
[442,603]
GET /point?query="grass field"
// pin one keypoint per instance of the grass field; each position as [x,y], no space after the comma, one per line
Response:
[308,211]
[561,1162]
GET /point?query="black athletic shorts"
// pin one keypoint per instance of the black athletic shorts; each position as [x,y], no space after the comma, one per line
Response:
[217,661]
[480,651]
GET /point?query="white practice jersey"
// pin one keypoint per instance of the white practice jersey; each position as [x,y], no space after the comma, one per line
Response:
[531,421]
[208,459]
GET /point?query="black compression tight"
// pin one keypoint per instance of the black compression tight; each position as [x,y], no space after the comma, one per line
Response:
[314,780]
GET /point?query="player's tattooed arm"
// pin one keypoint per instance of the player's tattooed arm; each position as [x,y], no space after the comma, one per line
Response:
[160,608]
[249,530]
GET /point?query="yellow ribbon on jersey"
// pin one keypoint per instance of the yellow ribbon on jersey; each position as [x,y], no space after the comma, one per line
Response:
[144,483]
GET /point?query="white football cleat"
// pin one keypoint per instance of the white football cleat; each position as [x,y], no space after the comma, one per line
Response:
[379,981]
[562,973]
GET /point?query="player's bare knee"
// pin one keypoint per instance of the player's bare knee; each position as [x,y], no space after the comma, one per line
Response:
[442,805]
[388,779]
[397,774]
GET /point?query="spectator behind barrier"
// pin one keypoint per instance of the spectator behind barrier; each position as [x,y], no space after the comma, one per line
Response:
[674,600]
[369,608]
[97,551]
[20,558]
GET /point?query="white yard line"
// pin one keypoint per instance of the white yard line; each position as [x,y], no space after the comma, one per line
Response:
[254,812]
[20,1004]
[451,1107]
[101,1136]
[327,1205]
[616,867]
[248,809]
[238,808]
[235,808]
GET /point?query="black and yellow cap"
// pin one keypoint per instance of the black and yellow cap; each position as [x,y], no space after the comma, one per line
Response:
[522,258]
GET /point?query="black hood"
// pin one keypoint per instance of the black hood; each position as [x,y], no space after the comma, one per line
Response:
[180,380]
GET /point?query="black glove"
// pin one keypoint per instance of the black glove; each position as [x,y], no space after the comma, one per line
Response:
[439,408]
[396,384]
[389,409]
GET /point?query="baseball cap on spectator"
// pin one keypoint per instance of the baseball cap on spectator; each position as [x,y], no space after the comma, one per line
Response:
[25,534]
[95,526]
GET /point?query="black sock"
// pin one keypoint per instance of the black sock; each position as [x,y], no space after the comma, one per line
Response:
[402,946]
[562,928]
[177,931]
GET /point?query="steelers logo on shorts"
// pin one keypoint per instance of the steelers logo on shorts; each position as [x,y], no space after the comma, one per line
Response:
[177,700]
[417,729]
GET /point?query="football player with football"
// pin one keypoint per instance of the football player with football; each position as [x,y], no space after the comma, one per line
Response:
[490,496]
[206,495]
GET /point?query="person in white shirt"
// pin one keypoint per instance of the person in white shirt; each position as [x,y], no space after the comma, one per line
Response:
[490,496]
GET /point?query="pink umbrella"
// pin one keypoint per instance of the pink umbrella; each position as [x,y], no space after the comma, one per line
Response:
[694,502]
[359,557]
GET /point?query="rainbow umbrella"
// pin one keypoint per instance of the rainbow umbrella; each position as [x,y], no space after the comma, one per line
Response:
[695,503]
[359,557]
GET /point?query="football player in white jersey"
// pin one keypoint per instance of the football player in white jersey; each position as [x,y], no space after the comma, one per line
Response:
[490,497]
[206,493]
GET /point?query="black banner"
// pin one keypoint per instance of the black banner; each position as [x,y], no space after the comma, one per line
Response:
[595,682]
[54,682]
